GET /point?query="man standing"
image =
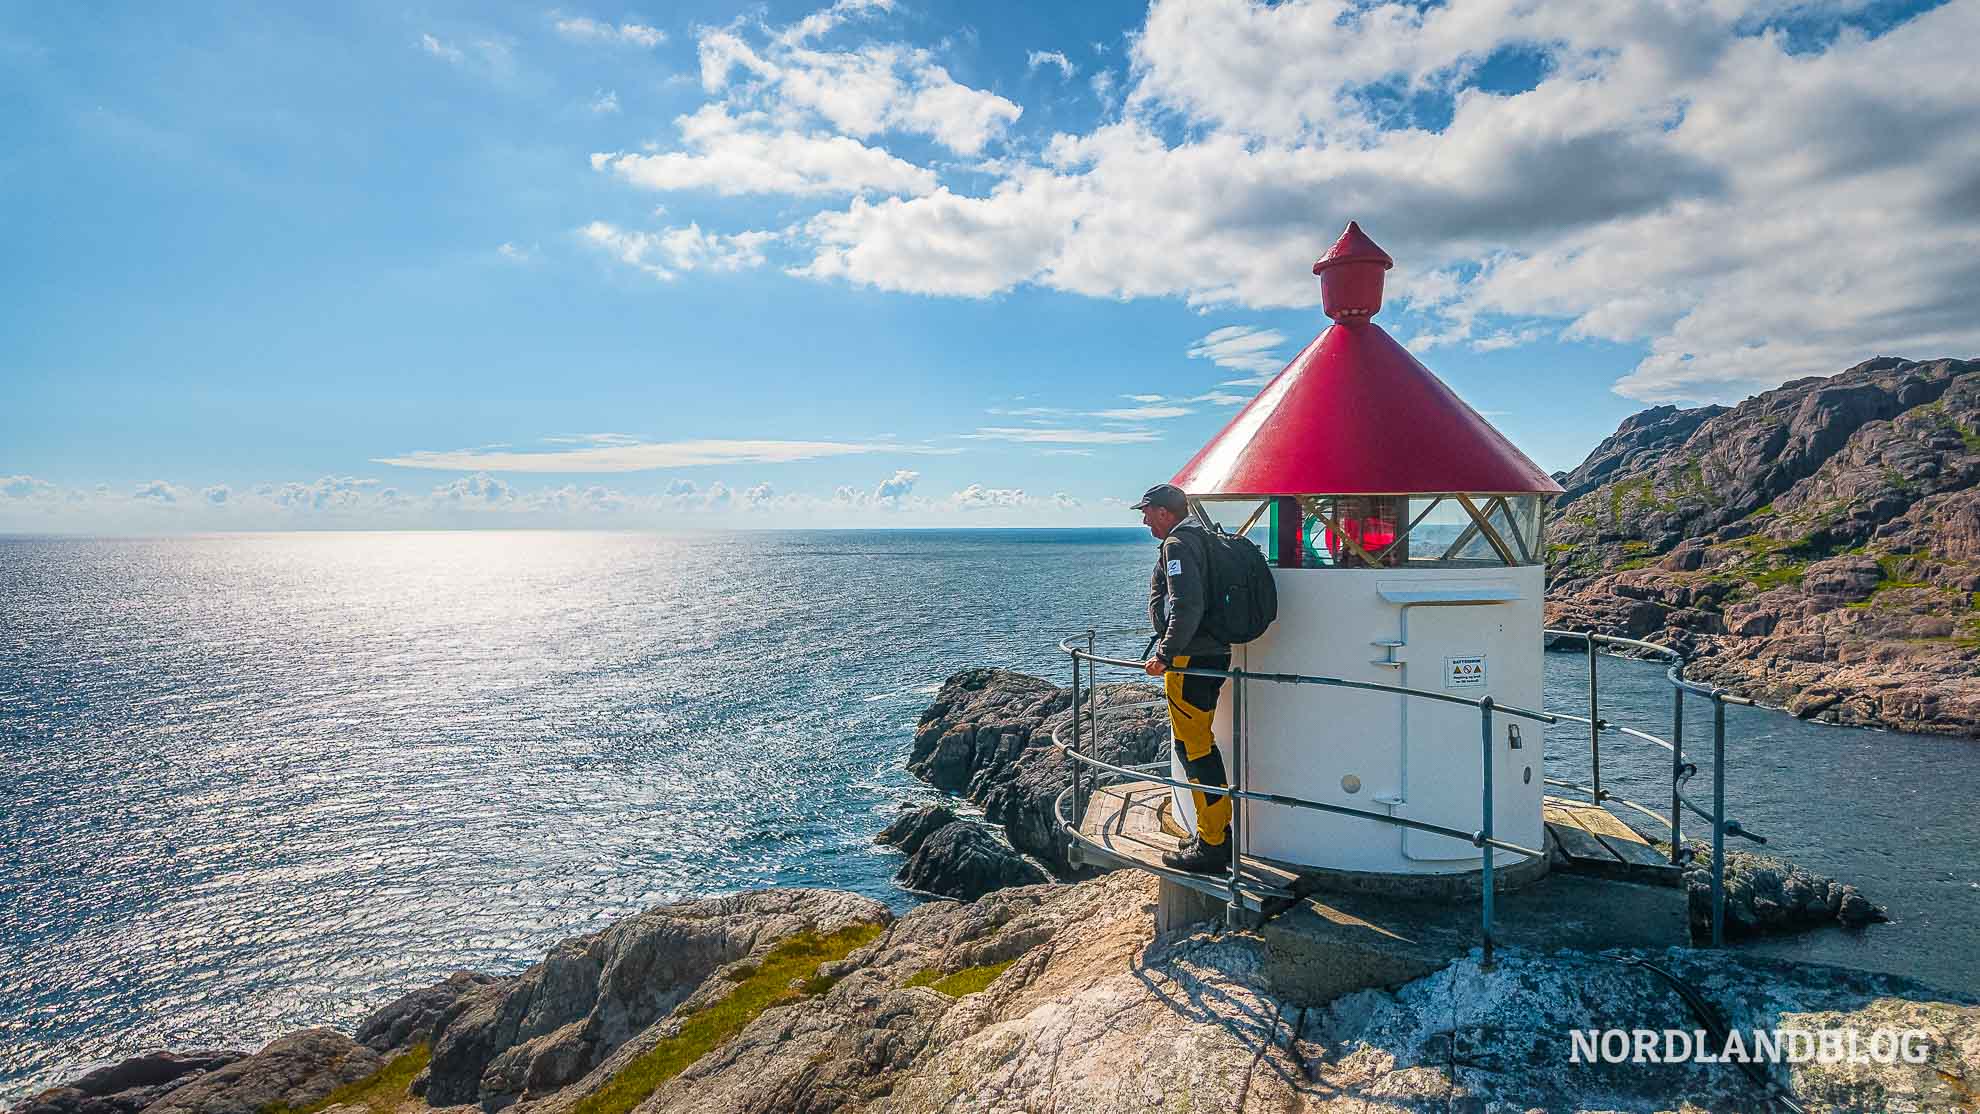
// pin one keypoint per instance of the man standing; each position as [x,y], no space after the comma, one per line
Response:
[1176,598]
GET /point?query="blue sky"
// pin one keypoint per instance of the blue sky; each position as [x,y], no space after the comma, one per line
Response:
[914,263]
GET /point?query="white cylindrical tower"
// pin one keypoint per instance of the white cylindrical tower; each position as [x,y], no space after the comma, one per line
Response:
[1409,545]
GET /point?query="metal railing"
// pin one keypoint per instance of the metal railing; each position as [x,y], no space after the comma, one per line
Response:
[1681,771]
[1086,706]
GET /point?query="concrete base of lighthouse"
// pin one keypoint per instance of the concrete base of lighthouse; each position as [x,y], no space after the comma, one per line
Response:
[1334,943]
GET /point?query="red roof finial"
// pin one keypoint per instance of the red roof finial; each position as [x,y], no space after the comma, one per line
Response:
[1351,276]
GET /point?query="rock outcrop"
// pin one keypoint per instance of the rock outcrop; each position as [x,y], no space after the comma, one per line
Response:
[129,1086]
[988,736]
[1816,547]
[1765,894]
[964,860]
[413,1018]
[294,1071]
[555,1022]
[914,825]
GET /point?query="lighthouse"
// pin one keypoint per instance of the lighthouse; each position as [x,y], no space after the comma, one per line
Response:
[1408,539]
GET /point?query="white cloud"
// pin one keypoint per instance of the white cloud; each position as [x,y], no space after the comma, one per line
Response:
[897,485]
[441,50]
[640,456]
[731,155]
[514,254]
[26,489]
[586,29]
[585,439]
[328,494]
[1245,348]
[1143,413]
[158,491]
[605,103]
[1222,398]
[479,491]
[1681,177]
[1038,58]
[878,88]
[1064,502]
[1063,436]
[819,22]
[942,243]
[976,497]
[1102,82]
[667,253]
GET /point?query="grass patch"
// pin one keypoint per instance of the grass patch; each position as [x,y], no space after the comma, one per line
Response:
[768,984]
[378,1092]
[1779,577]
[969,980]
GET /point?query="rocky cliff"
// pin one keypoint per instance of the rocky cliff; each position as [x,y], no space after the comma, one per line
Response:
[1040,998]
[987,736]
[1816,547]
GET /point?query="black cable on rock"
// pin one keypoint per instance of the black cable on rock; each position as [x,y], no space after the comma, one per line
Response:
[1716,1027]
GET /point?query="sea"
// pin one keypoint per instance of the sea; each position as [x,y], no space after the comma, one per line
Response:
[253,783]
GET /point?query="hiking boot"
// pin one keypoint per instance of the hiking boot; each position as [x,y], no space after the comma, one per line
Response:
[1198,857]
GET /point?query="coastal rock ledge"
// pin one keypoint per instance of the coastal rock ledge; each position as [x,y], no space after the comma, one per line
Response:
[1058,998]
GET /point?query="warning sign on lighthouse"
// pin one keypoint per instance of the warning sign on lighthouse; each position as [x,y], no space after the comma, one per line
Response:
[1464,672]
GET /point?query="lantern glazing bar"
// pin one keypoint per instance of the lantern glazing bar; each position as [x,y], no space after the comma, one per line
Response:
[1492,537]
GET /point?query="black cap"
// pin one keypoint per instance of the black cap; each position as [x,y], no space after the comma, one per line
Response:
[1167,496]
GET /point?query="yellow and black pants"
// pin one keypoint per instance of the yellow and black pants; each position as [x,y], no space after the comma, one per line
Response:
[1192,706]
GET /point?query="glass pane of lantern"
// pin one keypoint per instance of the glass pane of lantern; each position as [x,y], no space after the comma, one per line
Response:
[1500,516]
[1235,515]
[1522,516]
[1445,523]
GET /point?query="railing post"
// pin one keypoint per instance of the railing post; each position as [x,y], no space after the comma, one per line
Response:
[1677,768]
[1594,726]
[1485,737]
[1718,819]
[1092,700]
[1234,914]
[1079,805]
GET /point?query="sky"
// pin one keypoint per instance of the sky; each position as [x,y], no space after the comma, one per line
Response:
[915,263]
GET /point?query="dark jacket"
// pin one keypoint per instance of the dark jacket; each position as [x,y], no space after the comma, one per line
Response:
[1177,593]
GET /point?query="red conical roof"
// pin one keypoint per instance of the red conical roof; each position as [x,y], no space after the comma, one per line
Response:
[1356,414]
[1354,246]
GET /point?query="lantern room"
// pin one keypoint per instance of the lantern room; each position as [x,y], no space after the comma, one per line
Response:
[1408,539]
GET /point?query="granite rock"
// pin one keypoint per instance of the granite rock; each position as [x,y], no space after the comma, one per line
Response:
[915,825]
[295,1070]
[410,1019]
[563,1016]
[988,736]
[964,860]
[130,1085]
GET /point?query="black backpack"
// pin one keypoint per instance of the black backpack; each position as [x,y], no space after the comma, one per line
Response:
[1242,599]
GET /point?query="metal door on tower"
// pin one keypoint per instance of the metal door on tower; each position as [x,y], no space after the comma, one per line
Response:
[1450,650]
